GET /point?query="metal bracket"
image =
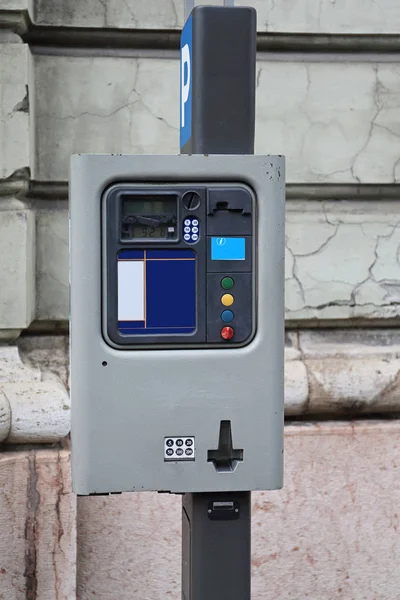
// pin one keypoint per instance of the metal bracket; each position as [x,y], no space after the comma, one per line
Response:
[189,6]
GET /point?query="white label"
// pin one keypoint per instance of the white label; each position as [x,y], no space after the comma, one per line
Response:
[179,448]
[131,290]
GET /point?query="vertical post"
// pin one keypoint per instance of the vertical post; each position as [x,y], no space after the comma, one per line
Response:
[189,6]
[218,81]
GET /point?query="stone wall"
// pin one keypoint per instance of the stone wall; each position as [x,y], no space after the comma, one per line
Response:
[100,76]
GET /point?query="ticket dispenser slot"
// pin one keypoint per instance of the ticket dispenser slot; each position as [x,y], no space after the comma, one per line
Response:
[231,211]
[179,265]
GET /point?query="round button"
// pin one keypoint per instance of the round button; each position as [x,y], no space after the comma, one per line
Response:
[227,299]
[195,229]
[169,452]
[189,442]
[179,442]
[191,200]
[188,452]
[170,443]
[187,222]
[195,237]
[186,237]
[186,229]
[179,452]
[227,283]
[195,222]
[227,316]
[227,333]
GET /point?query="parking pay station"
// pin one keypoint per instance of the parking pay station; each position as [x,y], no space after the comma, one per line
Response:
[177,283]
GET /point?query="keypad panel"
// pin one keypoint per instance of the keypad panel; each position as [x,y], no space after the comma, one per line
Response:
[191,230]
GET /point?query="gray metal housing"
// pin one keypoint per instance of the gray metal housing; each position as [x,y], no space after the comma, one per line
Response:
[125,402]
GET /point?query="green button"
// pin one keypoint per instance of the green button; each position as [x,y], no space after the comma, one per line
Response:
[227,283]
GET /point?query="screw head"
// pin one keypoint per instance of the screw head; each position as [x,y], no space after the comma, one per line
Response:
[191,200]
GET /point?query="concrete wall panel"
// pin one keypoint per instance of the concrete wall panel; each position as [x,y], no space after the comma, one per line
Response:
[14,108]
[322,16]
[334,122]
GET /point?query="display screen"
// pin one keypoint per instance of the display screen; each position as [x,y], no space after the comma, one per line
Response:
[228,248]
[149,217]
[149,231]
[149,206]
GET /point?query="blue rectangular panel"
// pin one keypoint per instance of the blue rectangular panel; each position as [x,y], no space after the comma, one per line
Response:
[170,293]
[131,325]
[232,248]
[154,331]
[186,83]
[131,254]
[179,253]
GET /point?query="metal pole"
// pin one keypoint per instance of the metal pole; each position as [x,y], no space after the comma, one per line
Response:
[189,5]
[216,527]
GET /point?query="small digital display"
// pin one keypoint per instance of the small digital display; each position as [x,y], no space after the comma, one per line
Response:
[149,231]
[149,206]
[149,217]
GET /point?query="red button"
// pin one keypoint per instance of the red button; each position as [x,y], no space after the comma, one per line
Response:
[227,333]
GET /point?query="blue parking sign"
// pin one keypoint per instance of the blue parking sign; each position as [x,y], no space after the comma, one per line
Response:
[186,84]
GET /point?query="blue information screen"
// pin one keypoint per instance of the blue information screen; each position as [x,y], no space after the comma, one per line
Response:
[228,248]
[156,292]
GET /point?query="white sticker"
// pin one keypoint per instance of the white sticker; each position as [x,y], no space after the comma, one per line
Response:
[179,448]
[130,290]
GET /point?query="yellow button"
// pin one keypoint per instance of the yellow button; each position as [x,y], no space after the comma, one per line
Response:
[227,299]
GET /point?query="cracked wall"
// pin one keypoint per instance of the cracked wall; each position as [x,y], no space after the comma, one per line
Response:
[334,122]
[138,111]
[14,122]
[327,16]
[110,13]
[342,261]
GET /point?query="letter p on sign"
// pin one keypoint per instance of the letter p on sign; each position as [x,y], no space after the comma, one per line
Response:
[186,83]
[185,79]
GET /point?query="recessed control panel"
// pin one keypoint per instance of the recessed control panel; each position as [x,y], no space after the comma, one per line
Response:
[179,265]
